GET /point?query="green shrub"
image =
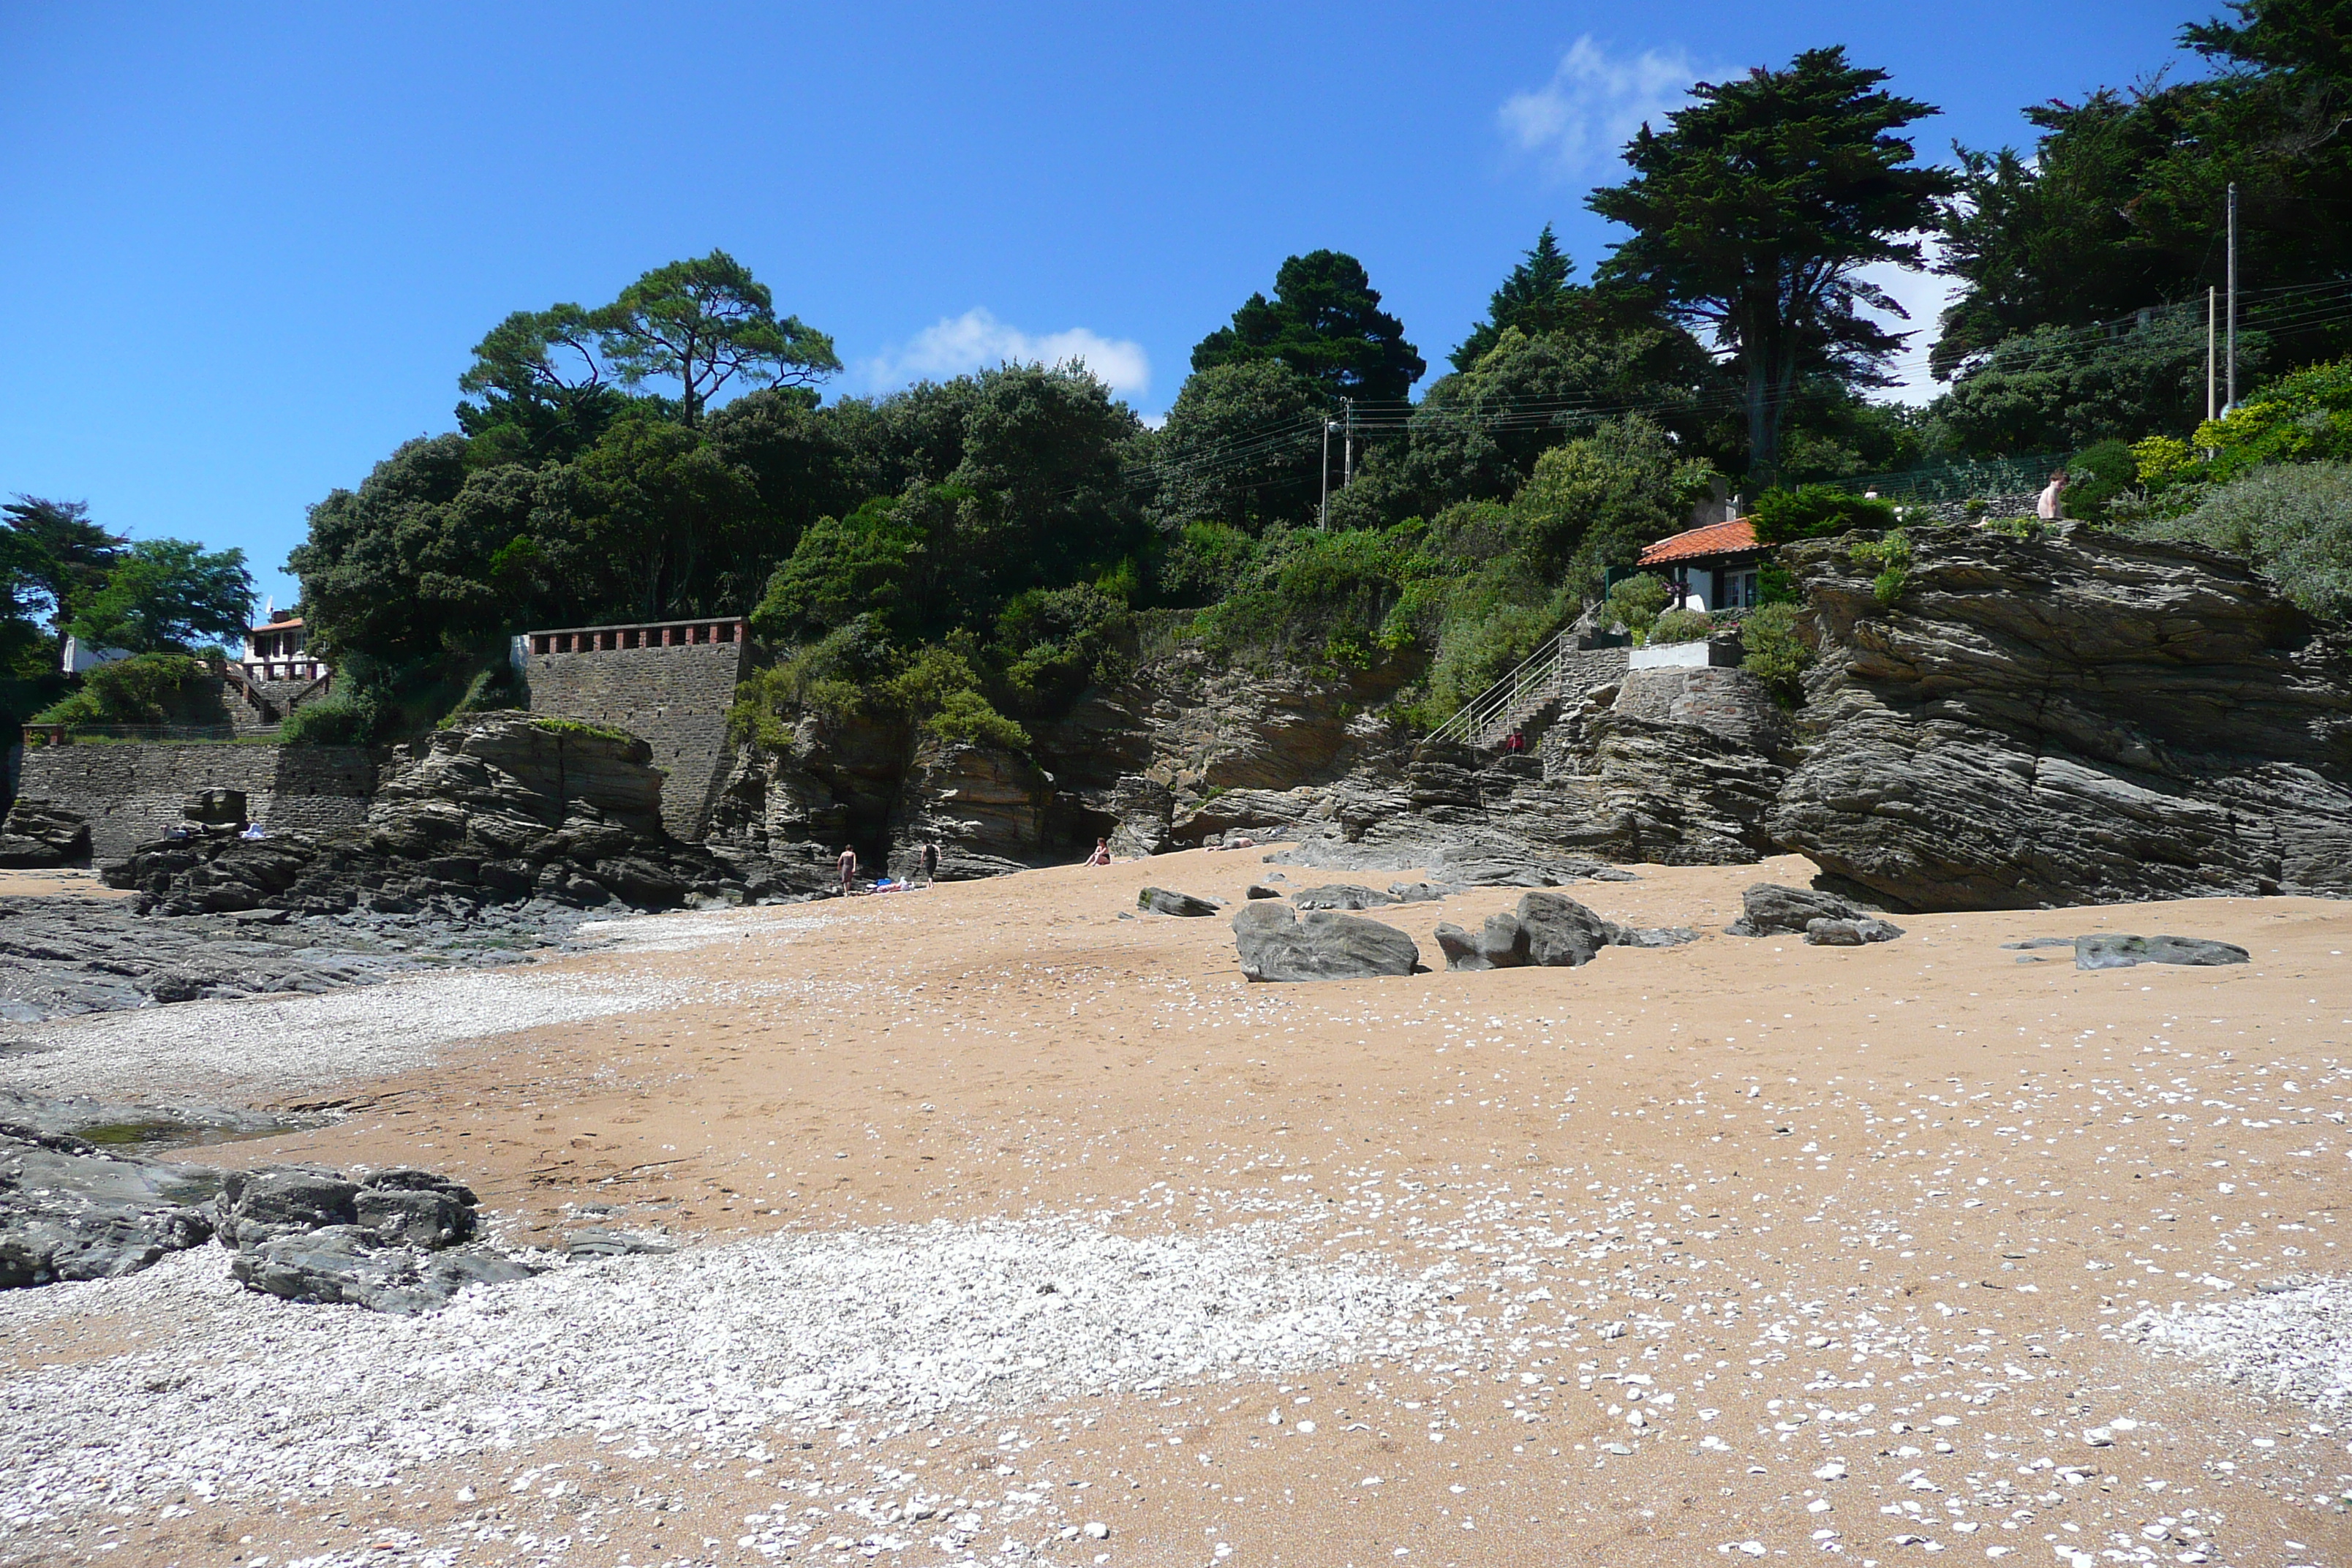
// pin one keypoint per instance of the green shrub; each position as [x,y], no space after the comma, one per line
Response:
[2098,476]
[1817,512]
[967,716]
[2306,417]
[1633,603]
[1892,557]
[491,690]
[1478,646]
[2292,521]
[339,720]
[1346,598]
[855,671]
[1776,652]
[1056,642]
[1681,625]
[141,689]
[1204,561]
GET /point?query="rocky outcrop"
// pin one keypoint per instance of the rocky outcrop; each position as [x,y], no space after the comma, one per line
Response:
[2068,718]
[69,1210]
[1161,902]
[1548,932]
[984,807]
[495,807]
[1767,909]
[39,833]
[396,1241]
[1188,751]
[885,788]
[1462,863]
[1276,944]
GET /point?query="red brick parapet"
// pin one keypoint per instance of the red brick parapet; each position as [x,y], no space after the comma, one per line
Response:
[655,634]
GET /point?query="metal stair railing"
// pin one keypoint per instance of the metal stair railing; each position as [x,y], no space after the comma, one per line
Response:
[1533,683]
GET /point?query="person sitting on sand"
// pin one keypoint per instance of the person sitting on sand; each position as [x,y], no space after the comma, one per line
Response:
[848,868]
[1101,857]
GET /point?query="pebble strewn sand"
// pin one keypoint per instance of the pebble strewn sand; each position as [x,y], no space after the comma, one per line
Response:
[1737,1250]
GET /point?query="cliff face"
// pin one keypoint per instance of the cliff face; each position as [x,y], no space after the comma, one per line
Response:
[2071,719]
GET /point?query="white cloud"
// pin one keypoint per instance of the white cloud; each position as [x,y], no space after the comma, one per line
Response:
[1923,295]
[978,340]
[1594,102]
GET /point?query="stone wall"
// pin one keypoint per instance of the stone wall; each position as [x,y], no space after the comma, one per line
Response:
[673,697]
[130,794]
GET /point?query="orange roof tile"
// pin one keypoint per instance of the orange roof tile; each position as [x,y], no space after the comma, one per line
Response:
[1715,539]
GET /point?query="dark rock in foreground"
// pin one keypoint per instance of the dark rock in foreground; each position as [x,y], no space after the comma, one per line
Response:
[1856,933]
[382,1242]
[2076,718]
[344,1265]
[70,1211]
[1277,944]
[1160,902]
[1548,932]
[2111,951]
[1824,920]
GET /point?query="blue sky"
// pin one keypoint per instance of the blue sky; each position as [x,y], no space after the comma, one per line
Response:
[249,247]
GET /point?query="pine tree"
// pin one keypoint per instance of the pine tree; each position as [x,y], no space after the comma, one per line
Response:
[1536,299]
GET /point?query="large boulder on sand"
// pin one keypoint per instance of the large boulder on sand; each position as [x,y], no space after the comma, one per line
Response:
[1548,932]
[1275,943]
[1161,902]
[394,1241]
[1767,909]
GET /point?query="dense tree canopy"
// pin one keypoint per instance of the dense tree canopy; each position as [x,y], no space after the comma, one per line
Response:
[2120,206]
[1754,215]
[1325,323]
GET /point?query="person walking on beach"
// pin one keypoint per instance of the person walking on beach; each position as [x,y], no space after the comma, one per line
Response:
[930,863]
[848,866]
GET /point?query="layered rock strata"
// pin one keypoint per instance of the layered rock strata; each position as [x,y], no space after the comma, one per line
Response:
[2074,718]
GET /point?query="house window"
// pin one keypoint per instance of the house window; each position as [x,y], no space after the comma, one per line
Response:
[1740,589]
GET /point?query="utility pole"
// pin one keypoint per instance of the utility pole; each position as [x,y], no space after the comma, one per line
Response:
[2232,382]
[2209,350]
[1347,474]
[1323,512]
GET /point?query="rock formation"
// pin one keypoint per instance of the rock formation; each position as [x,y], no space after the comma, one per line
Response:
[396,1241]
[1275,943]
[40,833]
[1548,932]
[2074,717]
[69,1210]
[495,807]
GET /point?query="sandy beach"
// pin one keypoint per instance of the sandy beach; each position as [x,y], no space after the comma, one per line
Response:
[1011,1225]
